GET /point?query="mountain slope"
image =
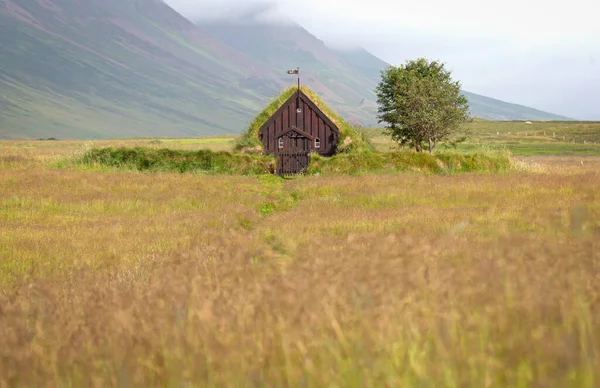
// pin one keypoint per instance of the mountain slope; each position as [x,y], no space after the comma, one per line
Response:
[103,68]
[345,78]
[287,46]
[363,62]
[492,109]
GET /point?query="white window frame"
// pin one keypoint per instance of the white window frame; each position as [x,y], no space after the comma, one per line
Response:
[280,142]
[317,142]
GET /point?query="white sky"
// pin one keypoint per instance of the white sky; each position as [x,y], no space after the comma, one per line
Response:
[544,54]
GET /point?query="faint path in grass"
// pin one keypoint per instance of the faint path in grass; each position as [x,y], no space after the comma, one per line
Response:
[278,196]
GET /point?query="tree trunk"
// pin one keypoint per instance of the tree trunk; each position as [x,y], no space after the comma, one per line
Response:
[432,147]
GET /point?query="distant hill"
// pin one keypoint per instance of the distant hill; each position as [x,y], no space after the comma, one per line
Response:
[364,62]
[492,109]
[116,68]
[345,78]
[287,46]
[480,106]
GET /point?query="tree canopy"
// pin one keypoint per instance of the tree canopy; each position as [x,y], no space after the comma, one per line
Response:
[421,104]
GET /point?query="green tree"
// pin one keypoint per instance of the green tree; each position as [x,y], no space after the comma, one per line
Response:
[421,104]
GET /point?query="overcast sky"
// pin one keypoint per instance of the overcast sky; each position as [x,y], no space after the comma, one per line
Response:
[540,53]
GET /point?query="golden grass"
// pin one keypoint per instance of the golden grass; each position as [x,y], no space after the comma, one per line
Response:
[114,278]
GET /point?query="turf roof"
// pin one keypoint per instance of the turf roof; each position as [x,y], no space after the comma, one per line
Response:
[349,140]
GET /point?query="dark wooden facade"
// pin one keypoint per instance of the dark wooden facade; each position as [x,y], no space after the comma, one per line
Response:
[290,133]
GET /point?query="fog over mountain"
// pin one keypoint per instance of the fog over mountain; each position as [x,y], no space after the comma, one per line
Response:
[543,54]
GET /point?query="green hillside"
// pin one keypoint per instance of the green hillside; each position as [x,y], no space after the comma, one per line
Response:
[288,46]
[117,68]
[492,109]
[346,78]
[364,62]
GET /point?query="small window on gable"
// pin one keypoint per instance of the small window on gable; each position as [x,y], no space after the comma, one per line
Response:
[281,142]
[317,143]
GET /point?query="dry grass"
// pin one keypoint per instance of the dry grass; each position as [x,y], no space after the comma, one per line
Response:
[114,278]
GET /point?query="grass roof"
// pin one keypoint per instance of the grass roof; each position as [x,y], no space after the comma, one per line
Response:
[350,138]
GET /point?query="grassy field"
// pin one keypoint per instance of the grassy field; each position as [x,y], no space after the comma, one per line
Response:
[538,138]
[125,278]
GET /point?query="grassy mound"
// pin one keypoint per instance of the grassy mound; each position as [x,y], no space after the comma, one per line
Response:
[437,163]
[350,138]
[149,159]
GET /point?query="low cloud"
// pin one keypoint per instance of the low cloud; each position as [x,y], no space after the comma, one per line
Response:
[232,11]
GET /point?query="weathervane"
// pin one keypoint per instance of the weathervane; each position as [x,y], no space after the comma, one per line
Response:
[297,71]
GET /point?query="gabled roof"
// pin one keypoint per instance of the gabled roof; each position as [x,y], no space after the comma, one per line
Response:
[308,101]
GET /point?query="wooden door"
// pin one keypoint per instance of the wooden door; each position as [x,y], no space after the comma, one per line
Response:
[294,157]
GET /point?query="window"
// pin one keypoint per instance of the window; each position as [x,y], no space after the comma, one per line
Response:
[317,143]
[281,142]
